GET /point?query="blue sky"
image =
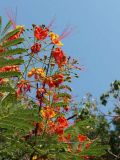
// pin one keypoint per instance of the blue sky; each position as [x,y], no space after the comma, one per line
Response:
[95,40]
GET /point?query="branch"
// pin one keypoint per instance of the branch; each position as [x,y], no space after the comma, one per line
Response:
[71,117]
[116,157]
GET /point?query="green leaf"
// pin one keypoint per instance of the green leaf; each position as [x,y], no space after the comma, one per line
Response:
[13,42]
[20,121]
[64,94]
[13,52]
[65,87]
[6,89]
[10,34]
[9,98]
[8,25]
[11,62]
[80,127]
[95,150]
[9,74]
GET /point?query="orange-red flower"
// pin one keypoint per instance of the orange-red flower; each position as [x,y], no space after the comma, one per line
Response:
[2,49]
[55,39]
[40,92]
[55,80]
[36,48]
[65,139]
[58,126]
[49,81]
[88,144]
[22,87]
[82,138]
[10,68]
[48,112]
[58,79]
[37,72]
[51,126]
[59,57]
[55,97]
[62,122]
[59,130]
[40,33]
[55,128]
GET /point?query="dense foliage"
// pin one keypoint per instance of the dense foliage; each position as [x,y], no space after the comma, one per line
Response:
[38,118]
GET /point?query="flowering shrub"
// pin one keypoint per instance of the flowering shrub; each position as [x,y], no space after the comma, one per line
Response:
[36,98]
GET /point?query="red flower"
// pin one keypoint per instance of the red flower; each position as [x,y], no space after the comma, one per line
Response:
[59,57]
[55,97]
[59,130]
[58,79]
[23,86]
[88,144]
[10,68]
[51,127]
[50,82]
[62,122]
[65,139]
[2,49]
[55,80]
[82,138]
[36,48]
[40,92]
[66,108]
[40,33]
[54,128]
[48,112]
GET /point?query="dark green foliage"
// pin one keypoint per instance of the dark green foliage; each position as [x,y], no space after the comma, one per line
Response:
[13,42]
[9,74]
[65,87]
[10,49]
[11,52]
[11,33]
[11,62]
[20,117]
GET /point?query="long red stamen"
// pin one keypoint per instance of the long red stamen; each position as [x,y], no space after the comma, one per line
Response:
[67,31]
[11,18]
[51,22]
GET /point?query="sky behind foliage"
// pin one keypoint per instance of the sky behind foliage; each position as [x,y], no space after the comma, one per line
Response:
[95,40]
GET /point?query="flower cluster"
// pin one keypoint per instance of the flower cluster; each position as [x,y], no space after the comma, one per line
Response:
[22,87]
[55,39]
[55,80]
[10,68]
[41,32]
[45,78]
[59,57]
[53,127]
[38,73]
[36,48]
